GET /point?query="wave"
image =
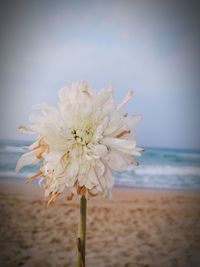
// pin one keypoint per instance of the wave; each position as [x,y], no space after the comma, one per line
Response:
[16,174]
[167,170]
[13,149]
[145,171]
[189,155]
[129,180]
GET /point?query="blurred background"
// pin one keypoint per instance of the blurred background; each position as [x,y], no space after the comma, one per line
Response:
[151,47]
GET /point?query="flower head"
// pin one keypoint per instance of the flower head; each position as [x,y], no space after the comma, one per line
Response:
[81,142]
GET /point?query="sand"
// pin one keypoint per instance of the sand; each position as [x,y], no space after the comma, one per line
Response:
[135,228]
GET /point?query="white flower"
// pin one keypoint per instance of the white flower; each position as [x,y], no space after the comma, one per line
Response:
[81,142]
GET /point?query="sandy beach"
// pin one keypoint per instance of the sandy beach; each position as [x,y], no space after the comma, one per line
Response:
[134,228]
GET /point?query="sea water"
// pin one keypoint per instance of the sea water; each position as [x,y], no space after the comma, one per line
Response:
[159,168]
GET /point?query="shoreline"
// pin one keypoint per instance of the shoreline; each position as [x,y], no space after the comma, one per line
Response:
[119,194]
[134,228]
[20,180]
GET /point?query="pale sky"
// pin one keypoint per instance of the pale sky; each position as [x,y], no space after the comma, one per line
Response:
[151,47]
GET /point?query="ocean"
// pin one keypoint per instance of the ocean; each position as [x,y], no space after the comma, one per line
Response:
[170,169]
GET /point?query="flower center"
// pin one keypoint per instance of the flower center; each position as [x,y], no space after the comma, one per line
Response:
[83,136]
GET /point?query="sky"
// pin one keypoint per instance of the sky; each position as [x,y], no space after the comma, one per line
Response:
[151,47]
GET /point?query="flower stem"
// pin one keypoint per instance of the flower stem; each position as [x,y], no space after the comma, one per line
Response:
[82,233]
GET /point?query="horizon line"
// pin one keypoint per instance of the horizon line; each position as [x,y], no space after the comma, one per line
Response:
[145,146]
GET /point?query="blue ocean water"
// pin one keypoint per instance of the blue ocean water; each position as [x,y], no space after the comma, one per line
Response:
[159,168]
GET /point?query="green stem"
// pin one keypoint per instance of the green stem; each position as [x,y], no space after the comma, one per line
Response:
[82,233]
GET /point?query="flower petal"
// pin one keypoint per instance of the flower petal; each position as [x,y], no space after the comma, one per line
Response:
[100,150]
[123,145]
[132,121]
[125,100]
[116,161]
[26,159]
[92,179]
